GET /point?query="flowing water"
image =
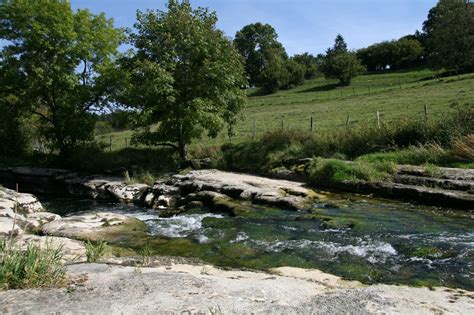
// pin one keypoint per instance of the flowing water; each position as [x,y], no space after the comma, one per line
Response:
[371,241]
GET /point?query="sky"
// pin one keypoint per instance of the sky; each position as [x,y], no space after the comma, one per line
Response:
[302,25]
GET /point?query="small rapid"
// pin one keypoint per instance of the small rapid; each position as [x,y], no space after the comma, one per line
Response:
[385,242]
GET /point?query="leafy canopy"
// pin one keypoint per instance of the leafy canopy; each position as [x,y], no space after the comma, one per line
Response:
[258,44]
[54,59]
[450,35]
[339,63]
[184,77]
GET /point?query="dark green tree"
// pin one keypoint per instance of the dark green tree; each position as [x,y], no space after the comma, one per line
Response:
[450,35]
[257,42]
[184,77]
[339,63]
[309,62]
[56,57]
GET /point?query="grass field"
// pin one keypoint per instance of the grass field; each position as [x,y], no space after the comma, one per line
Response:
[396,95]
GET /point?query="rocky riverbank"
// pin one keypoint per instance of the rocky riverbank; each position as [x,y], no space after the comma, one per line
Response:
[446,187]
[221,191]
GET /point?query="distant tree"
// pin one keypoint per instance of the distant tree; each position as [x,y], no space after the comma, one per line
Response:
[296,73]
[397,54]
[450,35]
[309,62]
[56,58]
[274,74]
[339,63]
[184,77]
[256,42]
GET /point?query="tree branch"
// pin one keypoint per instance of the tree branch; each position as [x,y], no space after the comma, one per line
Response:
[43,116]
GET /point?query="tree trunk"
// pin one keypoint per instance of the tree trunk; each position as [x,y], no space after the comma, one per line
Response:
[183,150]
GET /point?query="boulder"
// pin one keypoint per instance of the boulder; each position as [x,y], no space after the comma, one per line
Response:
[35,220]
[9,227]
[27,203]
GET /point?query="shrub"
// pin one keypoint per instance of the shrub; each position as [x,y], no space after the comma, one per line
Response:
[33,267]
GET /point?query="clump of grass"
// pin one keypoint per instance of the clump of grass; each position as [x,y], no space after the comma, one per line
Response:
[95,251]
[146,252]
[33,267]
[463,149]
[413,155]
[141,177]
[332,171]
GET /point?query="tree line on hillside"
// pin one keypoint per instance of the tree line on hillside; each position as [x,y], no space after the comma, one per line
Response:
[182,78]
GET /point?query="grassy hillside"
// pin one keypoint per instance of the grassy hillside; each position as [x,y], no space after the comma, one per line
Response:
[396,95]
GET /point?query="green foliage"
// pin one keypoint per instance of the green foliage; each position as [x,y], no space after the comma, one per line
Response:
[258,43]
[185,76]
[33,267]
[340,63]
[56,58]
[310,64]
[95,251]
[450,35]
[397,54]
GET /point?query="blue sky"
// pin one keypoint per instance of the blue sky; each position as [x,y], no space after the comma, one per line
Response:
[302,25]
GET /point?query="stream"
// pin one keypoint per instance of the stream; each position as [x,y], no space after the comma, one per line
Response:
[373,241]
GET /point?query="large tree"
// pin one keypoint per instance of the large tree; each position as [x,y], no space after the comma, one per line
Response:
[340,63]
[184,77]
[450,35]
[56,58]
[258,44]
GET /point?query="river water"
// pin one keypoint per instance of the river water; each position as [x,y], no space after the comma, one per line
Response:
[372,241]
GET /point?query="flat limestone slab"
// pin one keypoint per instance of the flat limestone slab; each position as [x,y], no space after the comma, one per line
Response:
[183,288]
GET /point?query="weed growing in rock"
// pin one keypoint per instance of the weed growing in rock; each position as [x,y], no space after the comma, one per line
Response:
[33,267]
[146,252]
[95,251]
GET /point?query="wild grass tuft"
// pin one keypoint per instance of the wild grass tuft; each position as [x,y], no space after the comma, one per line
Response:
[33,267]
[463,149]
[146,252]
[95,251]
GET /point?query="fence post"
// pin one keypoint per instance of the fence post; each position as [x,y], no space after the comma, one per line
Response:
[110,143]
[426,112]
[348,118]
[254,134]
[311,124]
[378,119]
